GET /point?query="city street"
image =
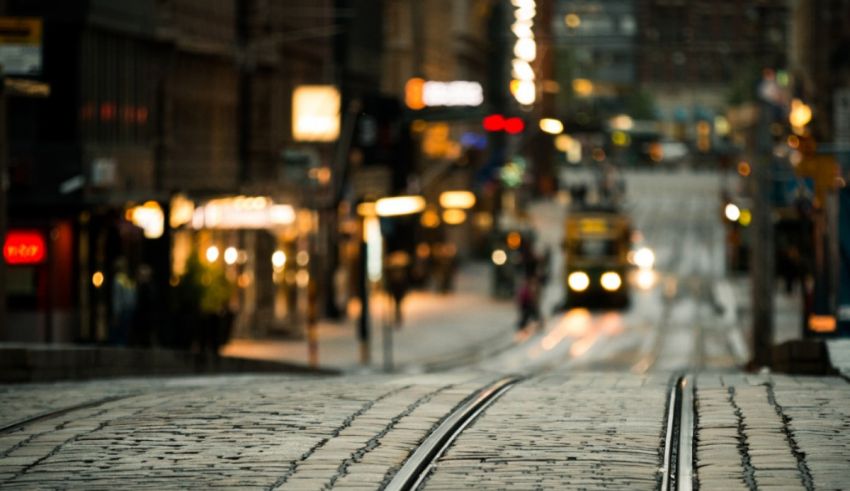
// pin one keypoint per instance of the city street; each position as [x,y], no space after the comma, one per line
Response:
[425,244]
[590,409]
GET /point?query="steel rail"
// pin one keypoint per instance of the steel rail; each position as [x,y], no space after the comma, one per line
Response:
[677,470]
[14,425]
[419,464]
[685,460]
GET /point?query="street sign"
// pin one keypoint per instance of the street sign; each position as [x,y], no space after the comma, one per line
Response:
[20,45]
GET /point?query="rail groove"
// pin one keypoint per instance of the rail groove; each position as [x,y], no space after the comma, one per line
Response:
[9,427]
[677,471]
[414,471]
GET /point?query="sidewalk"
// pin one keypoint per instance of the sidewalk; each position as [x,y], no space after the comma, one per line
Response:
[787,326]
[438,330]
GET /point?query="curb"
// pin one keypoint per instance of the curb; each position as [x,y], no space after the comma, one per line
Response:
[22,363]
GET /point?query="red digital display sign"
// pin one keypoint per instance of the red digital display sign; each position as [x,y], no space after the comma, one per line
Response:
[24,247]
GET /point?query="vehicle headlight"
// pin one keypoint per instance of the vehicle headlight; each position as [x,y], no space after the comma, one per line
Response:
[578,281]
[499,257]
[644,258]
[610,281]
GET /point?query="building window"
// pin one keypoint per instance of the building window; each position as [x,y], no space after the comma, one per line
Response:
[628,26]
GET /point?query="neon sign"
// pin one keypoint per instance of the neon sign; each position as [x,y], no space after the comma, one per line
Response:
[24,247]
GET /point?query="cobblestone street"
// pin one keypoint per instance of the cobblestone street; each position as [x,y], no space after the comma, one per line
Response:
[598,430]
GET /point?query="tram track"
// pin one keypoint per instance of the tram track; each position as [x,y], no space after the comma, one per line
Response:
[55,413]
[677,472]
[420,463]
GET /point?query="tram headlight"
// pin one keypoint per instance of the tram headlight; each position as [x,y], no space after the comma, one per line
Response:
[610,281]
[578,281]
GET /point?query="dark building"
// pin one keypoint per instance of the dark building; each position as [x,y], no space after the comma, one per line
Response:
[149,99]
[599,41]
[692,54]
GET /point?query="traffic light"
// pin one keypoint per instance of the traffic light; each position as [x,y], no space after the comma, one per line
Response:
[497,122]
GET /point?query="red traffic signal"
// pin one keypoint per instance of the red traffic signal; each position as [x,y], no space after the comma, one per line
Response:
[497,122]
[494,122]
[514,125]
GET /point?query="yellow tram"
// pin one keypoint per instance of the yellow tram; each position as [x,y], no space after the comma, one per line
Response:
[597,241]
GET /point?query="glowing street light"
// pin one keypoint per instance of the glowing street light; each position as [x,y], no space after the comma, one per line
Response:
[457,199]
[212,254]
[315,113]
[800,115]
[149,217]
[278,260]
[524,91]
[399,205]
[454,216]
[582,87]
[230,256]
[525,49]
[622,122]
[551,126]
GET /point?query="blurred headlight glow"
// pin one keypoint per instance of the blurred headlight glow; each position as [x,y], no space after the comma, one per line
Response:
[644,258]
[499,257]
[610,281]
[578,281]
[645,279]
[732,212]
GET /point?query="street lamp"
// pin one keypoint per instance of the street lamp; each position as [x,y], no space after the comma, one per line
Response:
[399,206]
[395,206]
[463,200]
[551,126]
[800,115]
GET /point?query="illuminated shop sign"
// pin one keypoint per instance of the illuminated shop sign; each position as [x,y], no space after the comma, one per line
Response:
[24,247]
[315,113]
[242,212]
[419,93]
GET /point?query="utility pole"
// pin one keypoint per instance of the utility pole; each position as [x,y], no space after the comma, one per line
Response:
[762,256]
[4,150]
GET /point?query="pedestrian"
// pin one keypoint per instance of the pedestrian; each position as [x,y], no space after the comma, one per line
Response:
[146,309]
[446,266]
[528,301]
[544,268]
[123,303]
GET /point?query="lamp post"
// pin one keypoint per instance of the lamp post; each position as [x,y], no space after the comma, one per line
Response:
[396,206]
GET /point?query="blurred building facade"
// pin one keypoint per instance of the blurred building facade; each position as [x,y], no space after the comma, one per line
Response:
[149,100]
[182,110]
[694,55]
[601,37]
[819,63]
